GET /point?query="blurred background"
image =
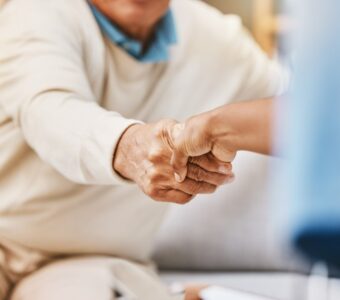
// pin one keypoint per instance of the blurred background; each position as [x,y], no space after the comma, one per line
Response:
[264,18]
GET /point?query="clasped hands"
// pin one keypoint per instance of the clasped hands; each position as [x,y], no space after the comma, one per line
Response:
[173,162]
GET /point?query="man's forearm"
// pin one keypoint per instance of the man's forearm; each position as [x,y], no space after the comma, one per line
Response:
[244,126]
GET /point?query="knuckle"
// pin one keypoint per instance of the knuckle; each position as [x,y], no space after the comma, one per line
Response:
[199,174]
[151,190]
[195,188]
[192,172]
[195,160]
[212,189]
[154,176]
[155,155]
[205,162]
[188,199]
[185,200]
[212,159]
[214,165]
[222,181]
[180,202]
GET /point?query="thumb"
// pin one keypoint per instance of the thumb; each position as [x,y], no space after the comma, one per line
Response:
[179,162]
[179,157]
[222,154]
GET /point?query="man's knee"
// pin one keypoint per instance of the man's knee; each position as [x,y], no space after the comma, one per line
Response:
[68,280]
[91,278]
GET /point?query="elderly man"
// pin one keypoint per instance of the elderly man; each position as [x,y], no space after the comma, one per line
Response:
[86,90]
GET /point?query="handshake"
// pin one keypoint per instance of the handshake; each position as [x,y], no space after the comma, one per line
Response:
[173,162]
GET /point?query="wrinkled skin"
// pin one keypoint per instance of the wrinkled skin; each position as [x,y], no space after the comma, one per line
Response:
[143,155]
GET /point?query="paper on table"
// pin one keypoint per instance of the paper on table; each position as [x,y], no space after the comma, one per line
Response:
[218,293]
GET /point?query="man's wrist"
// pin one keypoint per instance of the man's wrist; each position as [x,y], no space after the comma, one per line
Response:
[121,158]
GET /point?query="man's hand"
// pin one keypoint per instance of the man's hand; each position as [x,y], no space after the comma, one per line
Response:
[195,138]
[143,155]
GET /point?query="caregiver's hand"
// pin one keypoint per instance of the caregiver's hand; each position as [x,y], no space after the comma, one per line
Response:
[223,132]
[195,138]
[143,156]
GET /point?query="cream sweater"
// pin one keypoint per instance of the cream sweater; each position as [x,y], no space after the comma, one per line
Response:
[66,96]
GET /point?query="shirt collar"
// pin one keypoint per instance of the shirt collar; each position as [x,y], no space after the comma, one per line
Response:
[158,50]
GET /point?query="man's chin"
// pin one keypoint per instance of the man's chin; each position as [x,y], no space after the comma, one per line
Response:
[143,2]
[139,17]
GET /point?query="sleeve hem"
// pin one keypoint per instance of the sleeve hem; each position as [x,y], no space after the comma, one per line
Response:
[98,149]
[115,177]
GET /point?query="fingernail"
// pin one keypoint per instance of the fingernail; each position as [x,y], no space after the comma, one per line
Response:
[178,177]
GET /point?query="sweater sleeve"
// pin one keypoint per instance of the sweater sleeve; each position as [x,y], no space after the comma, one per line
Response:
[226,44]
[261,76]
[44,89]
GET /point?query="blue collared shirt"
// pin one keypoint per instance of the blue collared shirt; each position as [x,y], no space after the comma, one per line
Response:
[157,51]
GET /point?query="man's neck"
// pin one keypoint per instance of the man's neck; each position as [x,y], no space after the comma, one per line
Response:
[142,34]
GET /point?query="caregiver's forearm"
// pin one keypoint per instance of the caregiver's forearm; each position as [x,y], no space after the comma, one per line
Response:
[223,132]
[243,126]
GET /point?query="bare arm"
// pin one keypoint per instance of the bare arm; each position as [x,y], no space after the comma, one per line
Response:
[244,126]
[224,131]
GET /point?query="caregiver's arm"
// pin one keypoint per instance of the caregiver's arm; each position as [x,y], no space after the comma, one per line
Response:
[243,126]
[224,131]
